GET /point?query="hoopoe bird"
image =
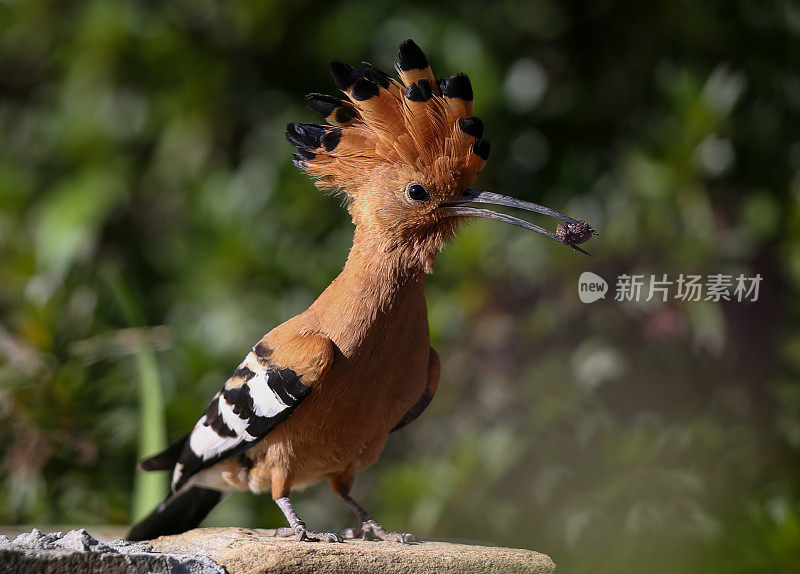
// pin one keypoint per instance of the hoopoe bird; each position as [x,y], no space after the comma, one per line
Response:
[317,397]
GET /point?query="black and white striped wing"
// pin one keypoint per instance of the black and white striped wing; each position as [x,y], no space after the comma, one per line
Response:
[252,402]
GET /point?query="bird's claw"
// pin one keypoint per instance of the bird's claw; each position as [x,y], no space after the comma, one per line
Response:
[405,538]
[371,530]
[305,535]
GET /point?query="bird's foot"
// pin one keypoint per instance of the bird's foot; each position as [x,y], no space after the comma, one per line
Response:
[371,530]
[306,535]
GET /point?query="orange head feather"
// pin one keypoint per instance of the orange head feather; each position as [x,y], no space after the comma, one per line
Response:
[404,155]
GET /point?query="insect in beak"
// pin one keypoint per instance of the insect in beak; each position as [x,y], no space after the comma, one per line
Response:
[571,233]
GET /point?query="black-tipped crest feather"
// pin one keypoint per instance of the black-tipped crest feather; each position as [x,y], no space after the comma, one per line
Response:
[419,91]
[364,89]
[471,125]
[304,135]
[344,75]
[458,86]
[410,57]
[323,104]
[481,148]
[375,74]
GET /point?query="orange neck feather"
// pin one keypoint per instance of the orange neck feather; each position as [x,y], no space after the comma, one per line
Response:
[377,288]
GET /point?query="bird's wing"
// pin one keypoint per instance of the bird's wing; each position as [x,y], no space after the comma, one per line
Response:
[427,394]
[259,395]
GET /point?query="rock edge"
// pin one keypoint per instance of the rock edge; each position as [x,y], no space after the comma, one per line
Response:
[239,550]
[77,551]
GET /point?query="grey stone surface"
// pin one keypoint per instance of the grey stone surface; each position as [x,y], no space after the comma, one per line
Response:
[240,551]
[78,552]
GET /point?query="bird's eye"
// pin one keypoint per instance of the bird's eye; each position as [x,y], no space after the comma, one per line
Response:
[417,192]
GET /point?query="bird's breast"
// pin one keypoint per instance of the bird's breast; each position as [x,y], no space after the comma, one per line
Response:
[375,378]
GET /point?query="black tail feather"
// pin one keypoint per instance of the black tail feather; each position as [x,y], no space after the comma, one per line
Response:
[178,513]
[166,459]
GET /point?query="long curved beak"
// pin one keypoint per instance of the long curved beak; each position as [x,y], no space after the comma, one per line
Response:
[573,232]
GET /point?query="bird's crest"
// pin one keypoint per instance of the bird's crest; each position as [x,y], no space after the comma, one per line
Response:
[406,155]
[421,130]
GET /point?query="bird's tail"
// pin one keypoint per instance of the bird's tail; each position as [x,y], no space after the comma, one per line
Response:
[166,459]
[178,513]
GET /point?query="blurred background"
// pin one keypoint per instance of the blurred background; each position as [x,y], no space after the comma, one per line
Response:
[152,228]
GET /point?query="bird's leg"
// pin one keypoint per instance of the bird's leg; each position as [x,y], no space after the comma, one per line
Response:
[369,529]
[303,533]
[281,487]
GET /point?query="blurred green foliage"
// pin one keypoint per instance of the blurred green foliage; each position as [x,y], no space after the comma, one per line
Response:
[144,141]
